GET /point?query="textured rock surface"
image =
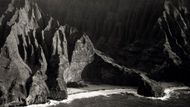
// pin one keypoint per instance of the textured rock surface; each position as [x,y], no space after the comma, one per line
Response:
[107,71]
[83,54]
[134,32]
[127,30]
[39,57]
[176,30]
[24,57]
[148,87]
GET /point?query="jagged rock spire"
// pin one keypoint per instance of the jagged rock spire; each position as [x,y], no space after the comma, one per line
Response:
[36,55]
[24,47]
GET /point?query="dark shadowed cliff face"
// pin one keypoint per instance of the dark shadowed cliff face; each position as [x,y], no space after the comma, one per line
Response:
[130,31]
[127,30]
[120,28]
[175,24]
[39,56]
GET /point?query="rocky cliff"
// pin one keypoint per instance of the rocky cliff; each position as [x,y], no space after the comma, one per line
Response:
[133,32]
[26,52]
[39,57]
[175,26]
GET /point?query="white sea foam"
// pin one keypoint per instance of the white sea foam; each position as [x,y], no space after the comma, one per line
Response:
[107,93]
[168,92]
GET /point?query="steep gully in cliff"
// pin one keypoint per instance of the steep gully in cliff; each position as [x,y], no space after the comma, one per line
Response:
[40,57]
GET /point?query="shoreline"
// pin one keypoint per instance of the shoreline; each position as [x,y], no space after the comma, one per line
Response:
[106,91]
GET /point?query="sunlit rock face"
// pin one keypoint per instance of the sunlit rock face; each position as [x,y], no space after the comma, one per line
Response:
[25,56]
[36,57]
[83,54]
[39,56]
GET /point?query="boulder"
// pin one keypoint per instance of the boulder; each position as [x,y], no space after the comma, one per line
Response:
[150,88]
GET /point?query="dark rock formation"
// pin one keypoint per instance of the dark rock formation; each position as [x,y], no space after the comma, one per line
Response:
[148,87]
[109,72]
[129,30]
[126,30]
[176,27]
[39,57]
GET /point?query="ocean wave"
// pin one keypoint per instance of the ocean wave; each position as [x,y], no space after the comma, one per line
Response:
[168,92]
[106,93]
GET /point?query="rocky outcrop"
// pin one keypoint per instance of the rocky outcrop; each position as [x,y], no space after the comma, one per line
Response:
[175,26]
[148,87]
[108,71]
[39,57]
[126,30]
[24,57]
[83,55]
[132,33]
